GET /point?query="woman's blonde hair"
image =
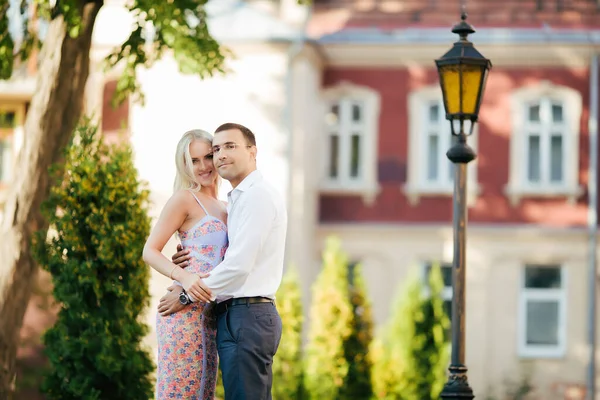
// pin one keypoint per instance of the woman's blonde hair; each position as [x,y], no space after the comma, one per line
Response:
[184,178]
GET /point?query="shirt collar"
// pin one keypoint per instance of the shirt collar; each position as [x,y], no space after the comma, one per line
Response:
[248,181]
[251,179]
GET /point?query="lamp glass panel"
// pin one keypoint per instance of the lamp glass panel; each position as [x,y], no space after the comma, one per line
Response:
[471,84]
[450,78]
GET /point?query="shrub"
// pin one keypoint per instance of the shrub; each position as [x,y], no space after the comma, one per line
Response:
[340,331]
[411,355]
[287,365]
[98,218]
[358,380]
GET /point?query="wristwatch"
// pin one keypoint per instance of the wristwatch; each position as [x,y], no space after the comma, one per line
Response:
[184,298]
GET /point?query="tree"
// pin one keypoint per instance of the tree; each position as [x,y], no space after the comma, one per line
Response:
[219,389]
[102,284]
[287,365]
[56,108]
[411,355]
[340,331]
[436,330]
[358,380]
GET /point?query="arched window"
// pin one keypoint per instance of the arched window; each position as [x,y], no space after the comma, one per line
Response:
[350,141]
[430,173]
[544,151]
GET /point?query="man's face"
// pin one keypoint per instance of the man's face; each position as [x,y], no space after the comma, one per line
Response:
[233,156]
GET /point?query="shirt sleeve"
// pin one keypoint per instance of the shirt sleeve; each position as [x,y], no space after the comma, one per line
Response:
[255,214]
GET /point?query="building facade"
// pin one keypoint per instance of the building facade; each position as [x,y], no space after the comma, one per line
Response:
[345,101]
[386,186]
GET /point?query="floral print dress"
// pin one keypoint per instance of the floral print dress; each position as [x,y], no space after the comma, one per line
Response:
[187,346]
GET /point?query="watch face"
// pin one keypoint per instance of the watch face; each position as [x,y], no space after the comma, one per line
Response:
[183,298]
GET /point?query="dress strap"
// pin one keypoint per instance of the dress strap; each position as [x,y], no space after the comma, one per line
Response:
[203,208]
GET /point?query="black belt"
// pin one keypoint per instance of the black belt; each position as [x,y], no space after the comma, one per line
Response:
[224,305]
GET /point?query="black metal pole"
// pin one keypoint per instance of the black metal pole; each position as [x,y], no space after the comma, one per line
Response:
[457,386]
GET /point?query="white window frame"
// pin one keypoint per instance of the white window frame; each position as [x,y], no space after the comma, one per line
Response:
[559,295]
[368,186]
[518,185]
[416,183]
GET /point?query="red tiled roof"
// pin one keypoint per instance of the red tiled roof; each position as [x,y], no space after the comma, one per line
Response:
[331,16]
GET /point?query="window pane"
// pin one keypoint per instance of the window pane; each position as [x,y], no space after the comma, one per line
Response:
[542,322]
[557,113]
[351,268]
[432,157]
[537,277]
[333,155]
[434,113]
[448,308]
[534,113]
[447,275]
[355,159]
[333,115]
[7,119]
[533,167]
[356,113]
[556,158]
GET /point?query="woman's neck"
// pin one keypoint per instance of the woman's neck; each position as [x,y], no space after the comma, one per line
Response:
[210,191]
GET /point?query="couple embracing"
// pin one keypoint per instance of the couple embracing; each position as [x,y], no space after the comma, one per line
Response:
[226,272]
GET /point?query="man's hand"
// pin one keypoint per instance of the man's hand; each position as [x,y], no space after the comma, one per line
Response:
[169,303]
[182,257]
[195,287]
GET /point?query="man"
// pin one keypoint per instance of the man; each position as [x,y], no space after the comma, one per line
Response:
[244,284]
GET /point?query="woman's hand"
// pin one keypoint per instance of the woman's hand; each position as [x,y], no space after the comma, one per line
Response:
[195,287]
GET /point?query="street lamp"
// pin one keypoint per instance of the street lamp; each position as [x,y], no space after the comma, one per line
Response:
[463,72]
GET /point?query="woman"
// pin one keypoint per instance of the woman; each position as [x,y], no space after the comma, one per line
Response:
[187,353]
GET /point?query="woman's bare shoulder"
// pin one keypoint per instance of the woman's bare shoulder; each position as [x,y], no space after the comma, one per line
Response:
[182,198]
[182,195]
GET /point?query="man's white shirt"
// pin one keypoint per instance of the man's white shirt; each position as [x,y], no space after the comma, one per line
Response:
[257,223]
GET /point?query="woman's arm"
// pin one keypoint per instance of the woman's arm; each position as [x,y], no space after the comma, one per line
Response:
[171,218]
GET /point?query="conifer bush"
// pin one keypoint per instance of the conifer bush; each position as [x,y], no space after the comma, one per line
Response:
[340,331]
[287,364]
[436,328]
[358,380]
[219,389]
[99,223]
[412,352]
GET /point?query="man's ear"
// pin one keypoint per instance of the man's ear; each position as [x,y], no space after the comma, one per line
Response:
[254,152]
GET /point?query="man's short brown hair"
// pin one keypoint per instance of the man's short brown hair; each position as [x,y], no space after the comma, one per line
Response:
[250,139]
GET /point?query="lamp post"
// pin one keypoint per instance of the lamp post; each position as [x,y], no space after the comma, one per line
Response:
[463,72]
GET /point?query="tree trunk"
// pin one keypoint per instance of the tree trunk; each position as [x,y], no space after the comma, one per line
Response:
[54,112]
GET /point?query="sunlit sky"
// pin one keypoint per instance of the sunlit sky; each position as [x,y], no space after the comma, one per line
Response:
[15,26]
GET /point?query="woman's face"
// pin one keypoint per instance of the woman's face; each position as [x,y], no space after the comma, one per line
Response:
[202,163]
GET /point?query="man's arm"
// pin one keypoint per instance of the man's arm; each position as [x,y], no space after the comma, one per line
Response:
[255,214]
